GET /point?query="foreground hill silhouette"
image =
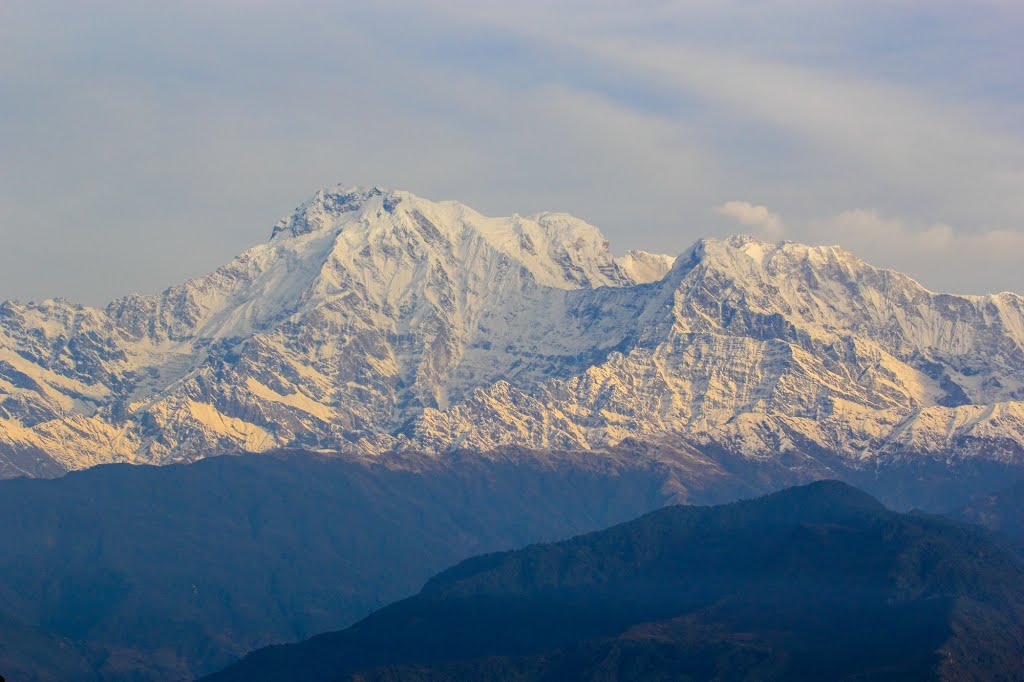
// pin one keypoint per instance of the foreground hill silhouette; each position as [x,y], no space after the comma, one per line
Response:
[815,582]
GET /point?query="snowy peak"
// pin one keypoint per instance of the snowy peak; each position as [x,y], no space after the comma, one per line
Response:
[330,209]
[745,253]
[389,247]
[827,282]
[557,249]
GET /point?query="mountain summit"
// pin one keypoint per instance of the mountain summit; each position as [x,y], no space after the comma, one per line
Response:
[374,320]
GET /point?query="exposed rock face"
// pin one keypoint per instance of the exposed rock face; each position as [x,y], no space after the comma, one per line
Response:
[374,320]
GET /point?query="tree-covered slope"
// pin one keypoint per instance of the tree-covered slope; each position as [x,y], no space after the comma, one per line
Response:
[816,582]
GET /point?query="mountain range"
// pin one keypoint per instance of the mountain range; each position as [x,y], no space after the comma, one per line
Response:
[375,322]
[423,383]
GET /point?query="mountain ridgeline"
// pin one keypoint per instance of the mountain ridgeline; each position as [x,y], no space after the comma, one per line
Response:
[375,322]
[811,583]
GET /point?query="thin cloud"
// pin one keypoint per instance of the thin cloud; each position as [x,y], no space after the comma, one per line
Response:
[757,217]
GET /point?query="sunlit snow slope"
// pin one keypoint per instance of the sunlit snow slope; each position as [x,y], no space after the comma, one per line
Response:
[375,320]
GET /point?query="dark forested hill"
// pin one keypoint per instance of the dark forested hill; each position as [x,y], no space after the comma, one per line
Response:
[179,570]
[816,582]
[147,573]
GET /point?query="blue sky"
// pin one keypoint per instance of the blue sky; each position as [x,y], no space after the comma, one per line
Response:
[143,143]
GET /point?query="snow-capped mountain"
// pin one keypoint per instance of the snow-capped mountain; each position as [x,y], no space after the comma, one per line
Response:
[374,320]
[763,347]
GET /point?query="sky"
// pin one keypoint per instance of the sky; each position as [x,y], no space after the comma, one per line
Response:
[143,143]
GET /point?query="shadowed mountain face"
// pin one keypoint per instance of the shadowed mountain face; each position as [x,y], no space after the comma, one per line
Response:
[817,582]
[1001,512]
[167,572]
[28,653]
